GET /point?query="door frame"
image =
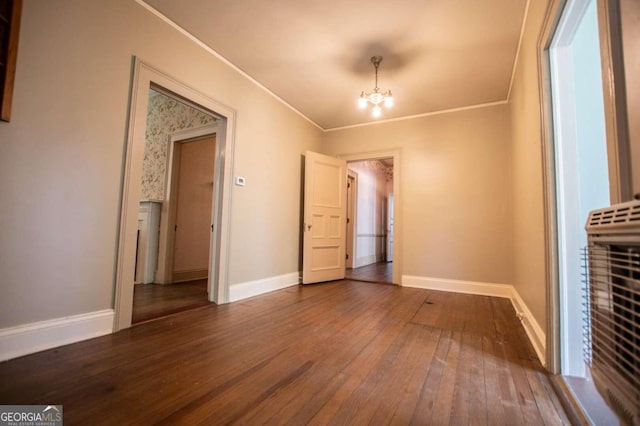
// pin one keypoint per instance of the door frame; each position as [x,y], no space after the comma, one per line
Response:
[617,148]
[379,155]
[567,144]
[164,272]
[352,205]
[615,106]
[390,206]
[145,77]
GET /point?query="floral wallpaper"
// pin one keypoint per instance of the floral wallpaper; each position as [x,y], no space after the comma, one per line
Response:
[386,170]
[165,116]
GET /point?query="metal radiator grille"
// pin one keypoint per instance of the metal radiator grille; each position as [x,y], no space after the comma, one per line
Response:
[614,294]
[586,307]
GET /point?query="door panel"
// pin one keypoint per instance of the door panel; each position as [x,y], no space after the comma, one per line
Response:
[325,218]
[193,206]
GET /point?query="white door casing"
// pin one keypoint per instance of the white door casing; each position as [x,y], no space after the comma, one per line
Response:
[143,77]
[390,228]
[352,190]
[395,154]
[581,168]
[193,205]
[324,242]
[165,249]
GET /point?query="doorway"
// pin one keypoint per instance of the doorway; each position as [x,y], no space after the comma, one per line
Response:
[370,220]
[193,169]
[180,188]
[581,161]
[145,78]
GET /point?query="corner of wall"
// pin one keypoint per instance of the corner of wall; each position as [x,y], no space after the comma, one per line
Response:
[534,332]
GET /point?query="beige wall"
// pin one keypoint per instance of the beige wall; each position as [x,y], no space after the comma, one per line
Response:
[455,188]
[61,157]
[528,197]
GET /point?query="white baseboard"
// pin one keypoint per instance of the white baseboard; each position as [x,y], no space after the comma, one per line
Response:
[190,275]
[534,331]
[38,336]
[365,260]
[468,287]
[265,285]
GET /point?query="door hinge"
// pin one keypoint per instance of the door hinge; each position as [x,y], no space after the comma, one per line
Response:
[348,184]
[175,228]
[347,256]
[348,220]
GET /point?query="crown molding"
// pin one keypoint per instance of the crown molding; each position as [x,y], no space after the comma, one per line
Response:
[515,60]
[426,114]
[200,43]
[204,46]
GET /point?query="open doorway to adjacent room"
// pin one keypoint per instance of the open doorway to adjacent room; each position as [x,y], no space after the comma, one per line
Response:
[370,220]
[202,116]
[175,216]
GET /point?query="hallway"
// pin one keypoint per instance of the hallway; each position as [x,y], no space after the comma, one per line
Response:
[381,272]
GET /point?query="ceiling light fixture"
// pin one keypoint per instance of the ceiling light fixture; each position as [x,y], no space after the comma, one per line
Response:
[376,97]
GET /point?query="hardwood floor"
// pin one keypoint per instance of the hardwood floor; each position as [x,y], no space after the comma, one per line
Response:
[381,272]
[336,353]
[152,301]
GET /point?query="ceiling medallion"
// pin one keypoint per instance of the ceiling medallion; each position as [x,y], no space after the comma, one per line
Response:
[377,96]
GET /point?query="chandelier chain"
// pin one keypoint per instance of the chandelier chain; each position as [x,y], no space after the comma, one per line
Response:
[376,64]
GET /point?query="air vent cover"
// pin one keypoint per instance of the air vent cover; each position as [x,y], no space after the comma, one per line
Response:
[615,218]
[614,306]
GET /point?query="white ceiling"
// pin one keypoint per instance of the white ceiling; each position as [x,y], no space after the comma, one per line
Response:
[438,54]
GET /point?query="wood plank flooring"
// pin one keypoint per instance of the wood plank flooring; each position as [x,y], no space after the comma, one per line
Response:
[152,301]
[381,272]
[337,353]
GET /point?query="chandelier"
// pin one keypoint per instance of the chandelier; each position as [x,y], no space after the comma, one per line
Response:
[377,96]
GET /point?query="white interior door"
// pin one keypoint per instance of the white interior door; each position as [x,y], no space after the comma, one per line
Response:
[324,245]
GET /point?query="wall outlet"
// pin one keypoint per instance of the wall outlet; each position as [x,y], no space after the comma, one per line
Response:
[240,180]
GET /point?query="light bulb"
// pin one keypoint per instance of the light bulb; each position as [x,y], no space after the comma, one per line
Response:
[376,111]
[362,102]
[388,101]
